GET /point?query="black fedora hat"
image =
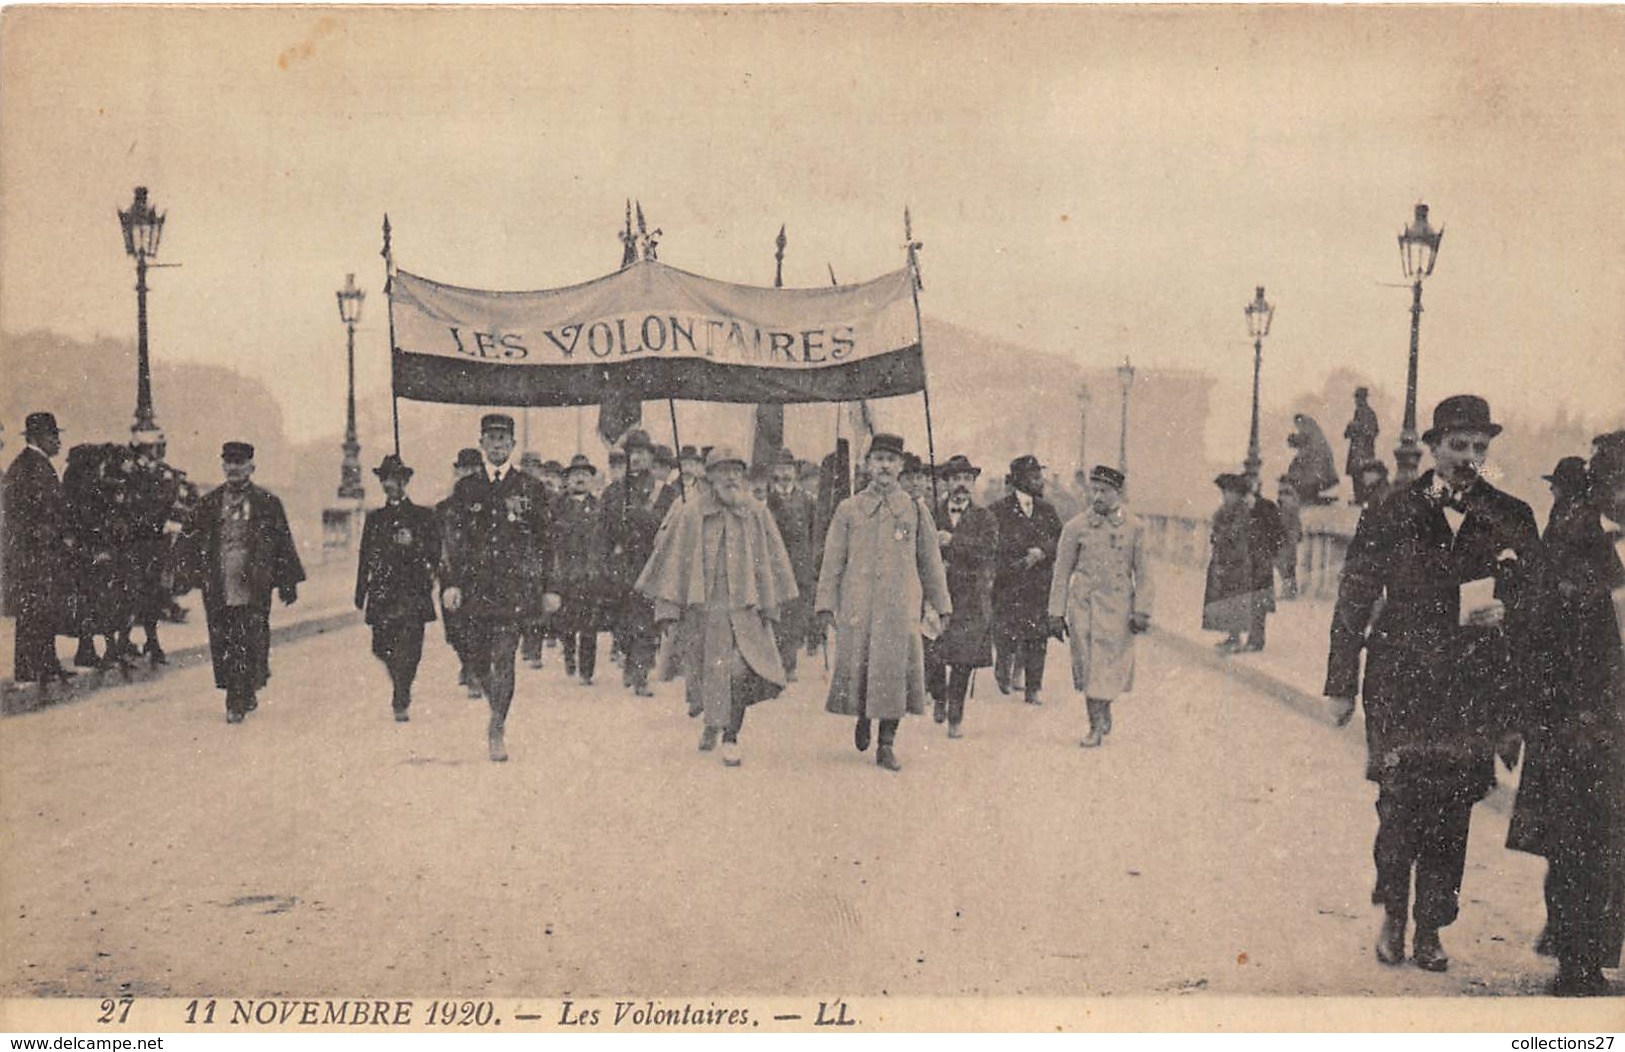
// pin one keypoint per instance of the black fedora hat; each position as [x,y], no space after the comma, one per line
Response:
[958,464]
[392,465]
[580,462]
[468,457]
[1461,413]
[37,424]
[1025,463]
[1569,472]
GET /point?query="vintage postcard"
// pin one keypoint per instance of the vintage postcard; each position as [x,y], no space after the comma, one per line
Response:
[811,518]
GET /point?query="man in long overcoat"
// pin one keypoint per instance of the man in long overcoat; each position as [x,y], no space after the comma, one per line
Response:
[1265,536]
[394,582]
[1445,665]
[793,513]
[1100,597]
[578,570]
[241,550]
[1028,531]
[1362,433]
[36,558]
[881,568]
[968,537]
[1571,796]
[156,489]
[469,461]
[498,556]
[633,509]
[719,576]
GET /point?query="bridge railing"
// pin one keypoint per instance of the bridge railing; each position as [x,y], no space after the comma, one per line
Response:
[1183,540]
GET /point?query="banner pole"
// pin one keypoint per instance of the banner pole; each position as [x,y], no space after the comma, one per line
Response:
[676,443]
[389,302]
[919,331]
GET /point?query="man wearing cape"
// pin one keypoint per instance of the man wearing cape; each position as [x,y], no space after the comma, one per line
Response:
[719,576]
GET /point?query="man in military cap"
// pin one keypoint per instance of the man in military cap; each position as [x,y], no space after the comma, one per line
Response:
[394,583]
[881,568]
[968,537]
[1028,531]
[498,557]
[36,564]
[633,510]
[579,570]
[793,513]
[469,461]
[1439,591]
[241,549]
[1100,597]
[720,577]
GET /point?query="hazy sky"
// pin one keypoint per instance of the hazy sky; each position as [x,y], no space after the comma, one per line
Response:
[1091,182]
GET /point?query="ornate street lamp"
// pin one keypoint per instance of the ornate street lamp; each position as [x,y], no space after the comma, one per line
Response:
[143,229]
[350,299]
[1418,251]
[1260,312]
[1125,376]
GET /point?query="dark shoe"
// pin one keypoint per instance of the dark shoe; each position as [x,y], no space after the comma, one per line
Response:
[234,717]
[884,757]
[1003,681]
[1227,646]
[401,716]
[1428,952]
[499,750]
[1092,739]
[1578,980]
[1391,939]
[694,710]
[860,735]
[1252,648]
[569,668]
[475,691]
[156,656]
[939,712]
[953,730]
[642,690]
[1032,699]
[1105,718]
[730,754]
[708,738]
[790,675]
[86,657]
[586,681]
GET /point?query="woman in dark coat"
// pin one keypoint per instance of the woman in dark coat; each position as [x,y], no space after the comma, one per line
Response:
[1571,796]
[1227,600]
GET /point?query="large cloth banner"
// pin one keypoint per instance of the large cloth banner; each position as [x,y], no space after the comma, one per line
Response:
[652,331]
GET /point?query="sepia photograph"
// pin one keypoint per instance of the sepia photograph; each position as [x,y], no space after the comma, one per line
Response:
[812,518]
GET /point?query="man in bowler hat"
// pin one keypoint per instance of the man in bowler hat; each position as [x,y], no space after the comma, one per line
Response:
[241,549]
[578,570]
[968,537]
[394,582]
[1028,531]
[633,510]
[498,557]
[1439,590]
[36,564]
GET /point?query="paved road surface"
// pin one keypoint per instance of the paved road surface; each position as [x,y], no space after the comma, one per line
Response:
[1218,843]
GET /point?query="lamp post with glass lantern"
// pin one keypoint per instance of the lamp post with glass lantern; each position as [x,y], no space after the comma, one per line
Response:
[143,229]
[1260,312]
[350,299]
[1125,376]
[1418,251]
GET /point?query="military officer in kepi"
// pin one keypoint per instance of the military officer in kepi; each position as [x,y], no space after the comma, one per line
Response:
[1100,597]
[1440,590]
[968,537]
[394,584]
[498,556]
[241,549]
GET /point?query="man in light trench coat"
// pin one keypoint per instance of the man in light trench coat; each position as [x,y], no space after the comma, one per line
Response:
[1101,596]
[881,568]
